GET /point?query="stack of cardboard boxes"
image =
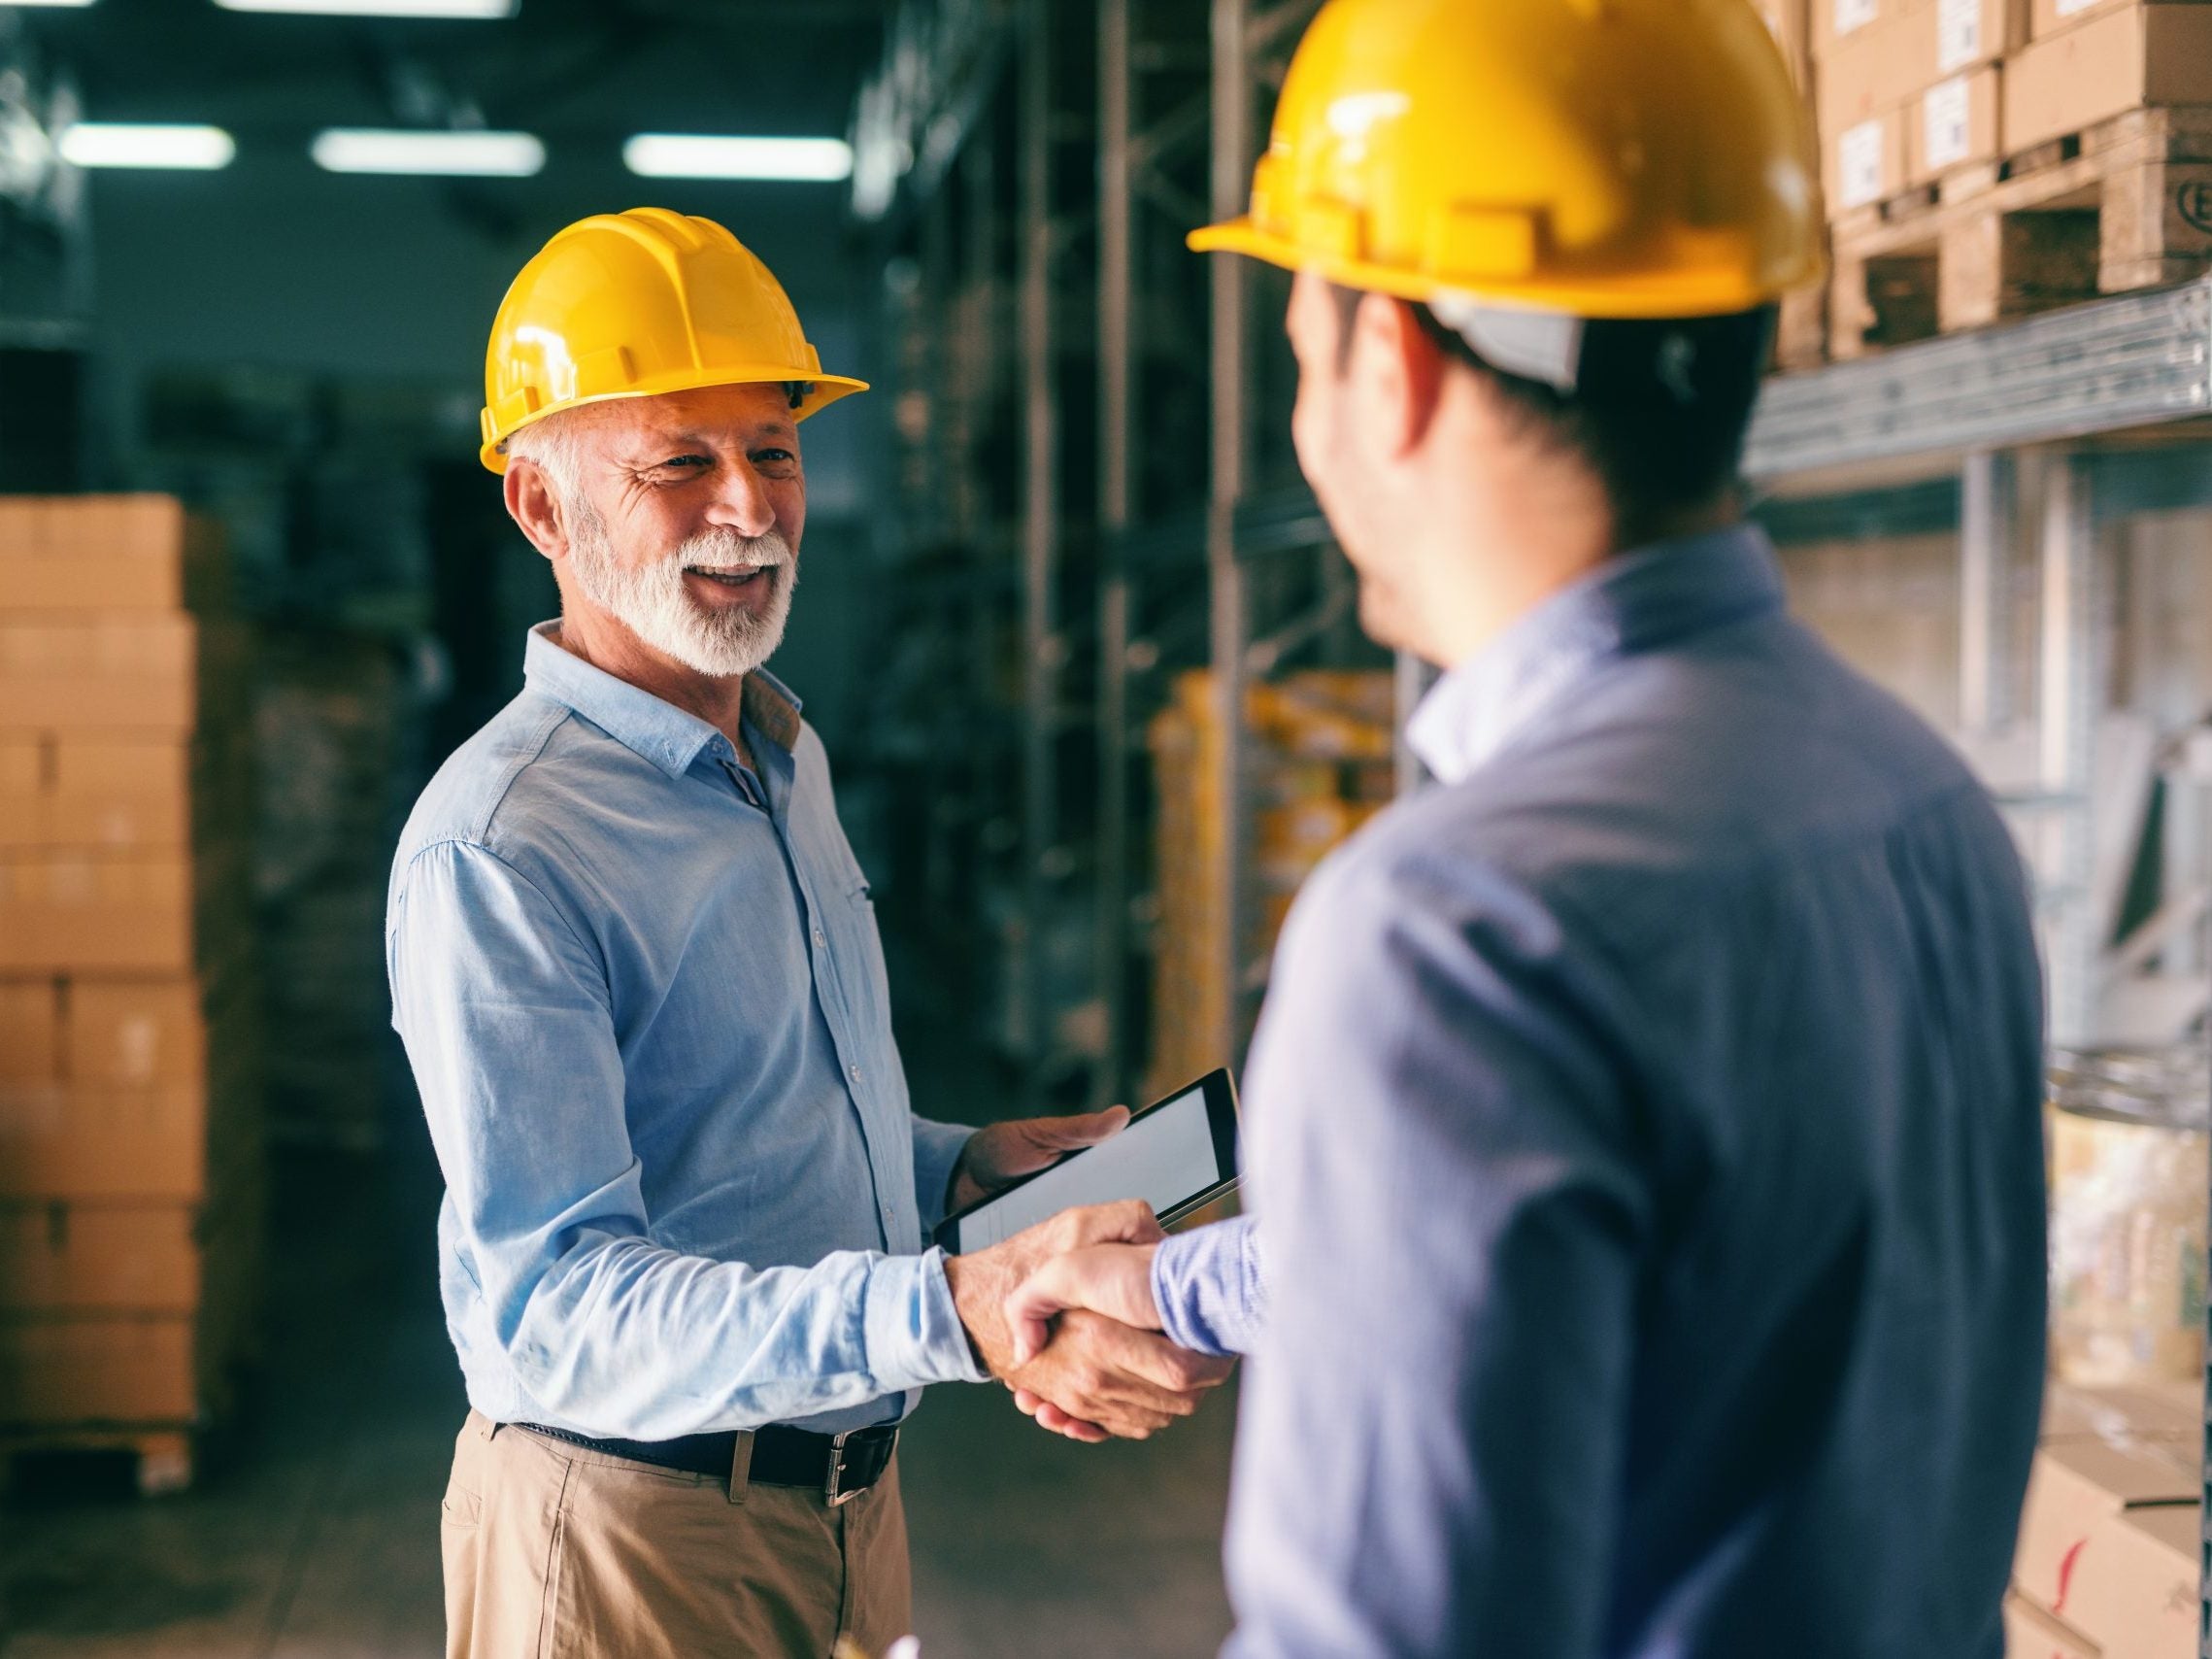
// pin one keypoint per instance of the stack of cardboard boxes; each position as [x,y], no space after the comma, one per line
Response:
[1976,164]
[2110,1545]
[1320,767]
[130,1151]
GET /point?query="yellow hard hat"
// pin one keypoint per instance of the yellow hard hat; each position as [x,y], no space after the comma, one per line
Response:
[1595,158]
[638,303]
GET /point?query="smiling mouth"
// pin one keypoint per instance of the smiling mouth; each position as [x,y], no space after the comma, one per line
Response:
[743,577]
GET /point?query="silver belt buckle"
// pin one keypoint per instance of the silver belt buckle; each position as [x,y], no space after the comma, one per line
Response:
[833,1490]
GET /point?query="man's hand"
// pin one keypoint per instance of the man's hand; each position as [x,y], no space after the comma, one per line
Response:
[1005,1152]
[1112,1279]
[1105,1378]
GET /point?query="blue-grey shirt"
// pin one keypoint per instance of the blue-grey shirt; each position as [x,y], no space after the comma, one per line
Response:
[644,998]
[1644,1132]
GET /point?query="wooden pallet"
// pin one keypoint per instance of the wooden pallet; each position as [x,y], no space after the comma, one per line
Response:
[165,1454]
[2124,205]
[1801,332]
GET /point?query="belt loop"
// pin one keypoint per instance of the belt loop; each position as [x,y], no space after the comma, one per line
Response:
[741,1466]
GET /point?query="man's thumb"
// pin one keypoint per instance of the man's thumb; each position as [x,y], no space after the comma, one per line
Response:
[1090,1129]
[1030,1307]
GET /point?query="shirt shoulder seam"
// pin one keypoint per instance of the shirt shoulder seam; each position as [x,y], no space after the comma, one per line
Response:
[525,758]
[472,844]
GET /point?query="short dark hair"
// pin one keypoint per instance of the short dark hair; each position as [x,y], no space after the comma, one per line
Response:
[1659,410]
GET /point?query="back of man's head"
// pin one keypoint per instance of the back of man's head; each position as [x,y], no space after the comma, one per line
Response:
[1659,410]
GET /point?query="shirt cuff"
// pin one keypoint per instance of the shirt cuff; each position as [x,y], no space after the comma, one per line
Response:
[1210,1287]
[937,1149]
[913,1331]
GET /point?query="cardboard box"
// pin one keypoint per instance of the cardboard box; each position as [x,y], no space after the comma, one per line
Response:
[98,1370]
[62,1257]
[1876,72]
[1864,163]
[30,1031]
[2077,1488]
[62,913]
[1835,22]
[2029,1633]
[122,1032]
[83,1142]
[2047,17]
[1956,122]
[115,672]
[1890,63]
[100,791]
[128,1033]
[104,553]
[2133,1589]
[2112,62]
[1971,33]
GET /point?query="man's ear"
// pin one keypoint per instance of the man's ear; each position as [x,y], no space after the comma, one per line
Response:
[1401,370]
[534,508]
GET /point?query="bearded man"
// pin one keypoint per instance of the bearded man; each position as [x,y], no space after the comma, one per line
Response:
[637,971]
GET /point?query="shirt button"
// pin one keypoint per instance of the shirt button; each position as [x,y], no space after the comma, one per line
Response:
[820,940]
[856,1075]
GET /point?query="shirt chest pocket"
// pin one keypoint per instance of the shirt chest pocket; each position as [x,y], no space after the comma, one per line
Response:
[856,949]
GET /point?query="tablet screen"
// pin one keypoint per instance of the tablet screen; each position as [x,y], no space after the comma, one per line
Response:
[1164,1157]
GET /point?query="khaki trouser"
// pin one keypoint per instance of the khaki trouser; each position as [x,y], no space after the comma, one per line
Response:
[557,1553]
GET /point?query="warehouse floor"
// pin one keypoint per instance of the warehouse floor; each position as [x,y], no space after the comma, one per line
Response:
[313,1535]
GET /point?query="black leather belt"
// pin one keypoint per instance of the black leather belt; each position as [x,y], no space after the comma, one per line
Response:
[843,1466]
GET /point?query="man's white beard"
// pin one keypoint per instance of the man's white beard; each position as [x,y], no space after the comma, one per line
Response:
[650,600]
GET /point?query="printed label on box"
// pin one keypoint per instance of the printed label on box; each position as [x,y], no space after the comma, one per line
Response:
[1949,126]
[1854,15]
[1859,164]
[2067,7]
[1957,34]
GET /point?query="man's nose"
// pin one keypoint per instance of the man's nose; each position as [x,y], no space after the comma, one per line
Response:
[742,503]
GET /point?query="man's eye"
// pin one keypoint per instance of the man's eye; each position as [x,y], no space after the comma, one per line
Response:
[773,456]
[686,462]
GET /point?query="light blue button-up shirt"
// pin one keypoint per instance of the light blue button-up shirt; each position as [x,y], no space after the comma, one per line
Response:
[644,998]
[1645,1131]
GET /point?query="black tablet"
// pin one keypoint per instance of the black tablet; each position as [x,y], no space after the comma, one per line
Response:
[1177,1155]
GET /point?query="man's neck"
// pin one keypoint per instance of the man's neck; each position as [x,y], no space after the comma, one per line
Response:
[1544,554]
[612,647]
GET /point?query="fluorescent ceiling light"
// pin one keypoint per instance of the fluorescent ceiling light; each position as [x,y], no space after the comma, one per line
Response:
[49,1]
[680,156]
[123,144]
[488,9]
[472,155]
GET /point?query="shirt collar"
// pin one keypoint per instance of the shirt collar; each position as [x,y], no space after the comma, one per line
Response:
[1656,594]
[668,736]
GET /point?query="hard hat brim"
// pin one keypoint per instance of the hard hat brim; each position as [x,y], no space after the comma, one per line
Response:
[828,389]
[1690,293]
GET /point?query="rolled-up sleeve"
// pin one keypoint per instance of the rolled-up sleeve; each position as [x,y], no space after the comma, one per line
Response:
[1210,1285]
[502,1002]
[1431,1447]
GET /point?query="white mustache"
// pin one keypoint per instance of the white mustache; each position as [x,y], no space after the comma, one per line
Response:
[729,554]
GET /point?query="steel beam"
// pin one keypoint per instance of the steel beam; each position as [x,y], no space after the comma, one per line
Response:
[1229,626]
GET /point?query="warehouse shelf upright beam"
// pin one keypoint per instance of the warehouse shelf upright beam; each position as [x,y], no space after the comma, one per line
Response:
[1042,648]
[1233,151]
[1117,508]
[1155,110]
[1989,487]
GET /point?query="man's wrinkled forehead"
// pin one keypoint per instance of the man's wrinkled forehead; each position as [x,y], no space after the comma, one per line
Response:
[714,416]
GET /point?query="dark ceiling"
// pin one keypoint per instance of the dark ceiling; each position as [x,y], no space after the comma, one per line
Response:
[581,74]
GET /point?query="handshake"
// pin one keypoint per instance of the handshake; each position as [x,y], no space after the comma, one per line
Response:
[1064,1314]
